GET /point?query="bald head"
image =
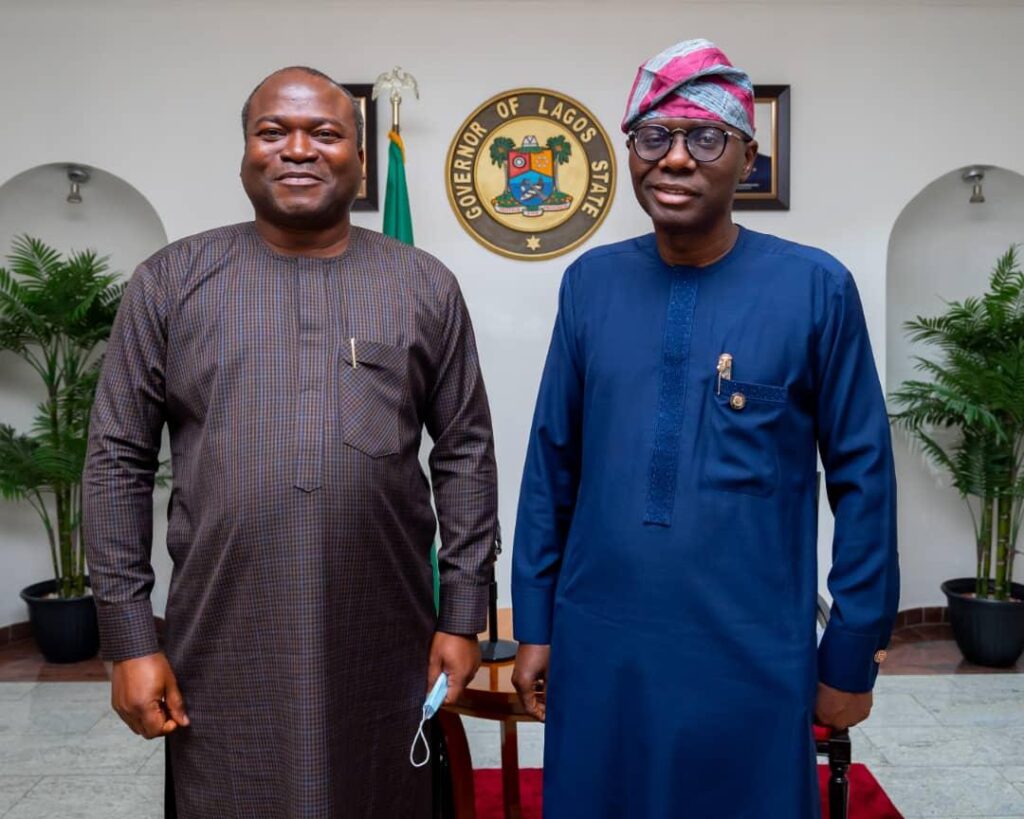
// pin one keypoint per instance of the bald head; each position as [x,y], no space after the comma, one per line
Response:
[311,72]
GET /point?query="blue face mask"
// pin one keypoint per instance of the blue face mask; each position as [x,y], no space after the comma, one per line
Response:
[431,705]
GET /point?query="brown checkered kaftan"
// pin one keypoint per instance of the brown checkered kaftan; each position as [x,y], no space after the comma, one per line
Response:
[300,609]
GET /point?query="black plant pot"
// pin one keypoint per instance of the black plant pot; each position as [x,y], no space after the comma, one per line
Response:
[65,630]
[988,632]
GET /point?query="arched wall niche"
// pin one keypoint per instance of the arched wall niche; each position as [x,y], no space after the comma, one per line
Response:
[117,221]
[113,217]
[942,248]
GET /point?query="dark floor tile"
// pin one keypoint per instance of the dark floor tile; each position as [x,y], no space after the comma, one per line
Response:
[936,631]
[21,631]
[914,616]
[911,634]
[935,657]
[21,661]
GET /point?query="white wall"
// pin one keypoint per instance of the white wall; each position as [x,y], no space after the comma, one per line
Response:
[942,248]
[883,94]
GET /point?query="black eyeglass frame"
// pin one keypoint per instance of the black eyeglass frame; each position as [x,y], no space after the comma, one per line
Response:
[671,132]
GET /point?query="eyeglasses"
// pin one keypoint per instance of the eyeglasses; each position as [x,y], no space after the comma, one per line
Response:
[705,143]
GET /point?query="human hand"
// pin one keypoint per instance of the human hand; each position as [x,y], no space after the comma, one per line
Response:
[145,694]
[530,676]
[458,657]
[841,709]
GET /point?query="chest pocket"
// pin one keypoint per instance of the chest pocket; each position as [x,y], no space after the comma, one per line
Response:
[373,394]
[745,424]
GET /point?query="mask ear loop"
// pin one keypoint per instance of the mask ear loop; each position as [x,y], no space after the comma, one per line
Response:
[416,740]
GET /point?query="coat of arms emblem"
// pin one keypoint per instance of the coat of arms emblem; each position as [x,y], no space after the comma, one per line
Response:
[531,174]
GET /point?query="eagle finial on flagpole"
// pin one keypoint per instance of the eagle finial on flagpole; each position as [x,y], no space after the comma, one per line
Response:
[396,80]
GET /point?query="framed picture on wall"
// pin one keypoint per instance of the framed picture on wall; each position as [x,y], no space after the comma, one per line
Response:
[767,187]
[363,92]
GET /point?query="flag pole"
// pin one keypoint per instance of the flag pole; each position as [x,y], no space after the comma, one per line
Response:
[493,650]
[398,224]
[395,82]
[397,215]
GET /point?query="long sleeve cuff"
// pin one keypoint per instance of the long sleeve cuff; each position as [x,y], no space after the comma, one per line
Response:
[127,630]
[532,610]
[463,609]
[846,661]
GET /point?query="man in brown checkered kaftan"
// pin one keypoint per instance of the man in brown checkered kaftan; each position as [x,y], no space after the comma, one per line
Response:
[295,361]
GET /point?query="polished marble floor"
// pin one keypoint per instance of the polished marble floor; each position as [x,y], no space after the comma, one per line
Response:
[947,743]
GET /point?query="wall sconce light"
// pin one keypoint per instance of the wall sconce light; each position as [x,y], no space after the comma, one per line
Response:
[77,176]
[973,176]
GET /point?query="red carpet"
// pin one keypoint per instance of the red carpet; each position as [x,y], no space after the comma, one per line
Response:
[867,799]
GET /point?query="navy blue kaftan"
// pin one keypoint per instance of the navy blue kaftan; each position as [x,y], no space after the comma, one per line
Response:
[666,539]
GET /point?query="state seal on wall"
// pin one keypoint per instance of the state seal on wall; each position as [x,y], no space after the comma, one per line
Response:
[530,174]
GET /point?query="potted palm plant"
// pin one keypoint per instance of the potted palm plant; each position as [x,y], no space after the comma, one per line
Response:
[968,417]
[55,311]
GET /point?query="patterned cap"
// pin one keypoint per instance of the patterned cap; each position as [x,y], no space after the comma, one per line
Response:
[692,79]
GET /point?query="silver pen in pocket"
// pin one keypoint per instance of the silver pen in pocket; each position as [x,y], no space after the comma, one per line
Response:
[724,371]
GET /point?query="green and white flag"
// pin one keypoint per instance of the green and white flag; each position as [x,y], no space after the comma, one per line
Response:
[397,219]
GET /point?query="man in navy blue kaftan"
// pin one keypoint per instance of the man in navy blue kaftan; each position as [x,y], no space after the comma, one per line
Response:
[664,569]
